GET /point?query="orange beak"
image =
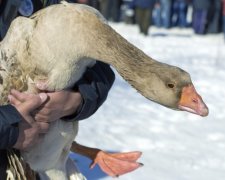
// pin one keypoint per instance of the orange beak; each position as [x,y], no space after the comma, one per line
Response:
[192,102]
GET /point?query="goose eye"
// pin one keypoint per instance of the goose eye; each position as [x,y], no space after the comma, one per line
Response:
[170,85]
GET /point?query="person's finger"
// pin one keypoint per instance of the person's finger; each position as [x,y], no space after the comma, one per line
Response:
[43,111]
[41,118]
[19,96]
[28,119]
[29,137]
[43,127]
[33,103]
[13,100]
[42,114]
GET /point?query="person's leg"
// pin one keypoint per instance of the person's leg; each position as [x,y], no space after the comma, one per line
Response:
[108,13]
[157,18]
[214,17]
[196,21]
[175,13]
[103,7]
[203,21]
[146,20]
[166,12]
[139,17]
[116,10]
[168,7]
[94,3]
[199,21]
[182,14]
[224,26]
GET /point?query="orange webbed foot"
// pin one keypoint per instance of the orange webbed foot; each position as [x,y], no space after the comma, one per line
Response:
[116,164]
[113,164]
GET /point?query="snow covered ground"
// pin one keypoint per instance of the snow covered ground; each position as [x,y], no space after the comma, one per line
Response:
[175,145]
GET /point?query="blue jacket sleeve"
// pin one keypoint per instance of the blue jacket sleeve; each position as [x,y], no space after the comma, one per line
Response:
[9,131]
[94,87]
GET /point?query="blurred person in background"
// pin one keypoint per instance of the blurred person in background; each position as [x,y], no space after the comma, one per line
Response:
[179,13]
[162,13]
[102,6]
[94,3]
[224,18]
[200,12]
[111,9]
[143,13]
[166,6]
[127,13]
[82,1]
[214,17]
[157,14]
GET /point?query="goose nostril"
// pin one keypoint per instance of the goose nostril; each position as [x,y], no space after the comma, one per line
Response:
[194,100]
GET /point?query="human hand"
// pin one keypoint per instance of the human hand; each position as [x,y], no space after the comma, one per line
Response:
[58,104]
[29,129]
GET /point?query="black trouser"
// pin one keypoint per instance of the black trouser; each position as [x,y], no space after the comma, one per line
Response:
[3,164]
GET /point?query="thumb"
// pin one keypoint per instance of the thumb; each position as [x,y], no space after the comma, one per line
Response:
[33,103]
[43,97]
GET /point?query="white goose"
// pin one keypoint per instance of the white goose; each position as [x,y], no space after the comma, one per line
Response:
[57,44]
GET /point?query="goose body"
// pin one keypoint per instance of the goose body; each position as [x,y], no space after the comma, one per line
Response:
[56,45]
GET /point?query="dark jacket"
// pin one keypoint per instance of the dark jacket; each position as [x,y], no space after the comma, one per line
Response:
[224,7]
[143,3]
[201,4]
[9,118]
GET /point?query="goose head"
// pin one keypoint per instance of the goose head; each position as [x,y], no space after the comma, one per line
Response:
[169,86]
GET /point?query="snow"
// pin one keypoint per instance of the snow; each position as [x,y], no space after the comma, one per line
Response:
[175,145]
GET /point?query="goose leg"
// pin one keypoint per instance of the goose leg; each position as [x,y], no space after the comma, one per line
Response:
[113,164]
